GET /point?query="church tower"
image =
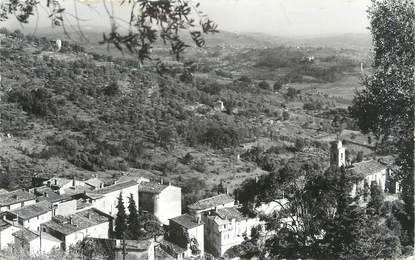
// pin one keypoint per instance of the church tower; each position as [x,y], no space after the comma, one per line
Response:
[337,154]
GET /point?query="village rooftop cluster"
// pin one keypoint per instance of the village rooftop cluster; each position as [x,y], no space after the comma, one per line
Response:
[61,212]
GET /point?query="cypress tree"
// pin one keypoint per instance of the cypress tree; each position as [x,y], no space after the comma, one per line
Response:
[132,220]
[120,220]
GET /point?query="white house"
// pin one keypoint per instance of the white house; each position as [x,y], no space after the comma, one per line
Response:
[16,199]
[6,231]
[163,201]
[106,199]
[219,106]
[31,216]
[74,228]
[34,242]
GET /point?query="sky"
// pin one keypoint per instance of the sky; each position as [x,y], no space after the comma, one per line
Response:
[276,17]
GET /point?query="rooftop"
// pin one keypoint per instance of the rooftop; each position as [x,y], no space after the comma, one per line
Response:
[186,221]
[230,213]
[31,211]
[81,204]
[45,193]
[14,197]
[94,182]
[211,202]
[58,181]
[26,235]
[366,168]
[114,187]
[77,190]
[69,224]
[151,187]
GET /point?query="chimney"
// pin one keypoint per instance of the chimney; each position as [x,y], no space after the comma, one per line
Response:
[198,220]
[45,194]
[161,181]
[56,182]
[70,220]
[15,196]
[73,181]
[88,215]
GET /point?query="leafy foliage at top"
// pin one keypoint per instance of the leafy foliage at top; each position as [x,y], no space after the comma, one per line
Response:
[148,21]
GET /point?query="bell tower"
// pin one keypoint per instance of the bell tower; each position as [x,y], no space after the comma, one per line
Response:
[337,154]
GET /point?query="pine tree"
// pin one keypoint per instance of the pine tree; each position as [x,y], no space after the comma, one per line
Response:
[120,220]
[132,220]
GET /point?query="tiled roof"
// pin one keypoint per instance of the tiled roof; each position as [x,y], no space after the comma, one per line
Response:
[26,235]
[186,221]
[69,224]
[230,213]
[115,187]
[365,168]
[151,187]
[31,211]
[14,197]
[211,202]
[2,191]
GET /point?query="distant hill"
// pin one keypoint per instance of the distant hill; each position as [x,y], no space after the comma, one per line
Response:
[225,38]
[348,41]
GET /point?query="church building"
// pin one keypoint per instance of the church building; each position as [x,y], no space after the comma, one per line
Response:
[365,172]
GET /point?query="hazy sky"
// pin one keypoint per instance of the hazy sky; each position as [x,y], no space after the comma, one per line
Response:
[278,17]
